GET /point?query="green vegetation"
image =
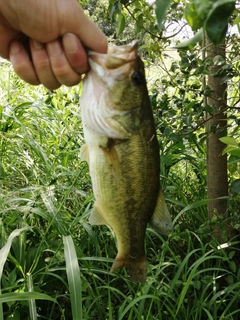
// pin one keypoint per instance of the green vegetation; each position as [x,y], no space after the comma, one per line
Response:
[46,193]
[53,263]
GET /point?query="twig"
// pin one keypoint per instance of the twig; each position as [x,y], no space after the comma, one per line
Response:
[149,32]
[213,116]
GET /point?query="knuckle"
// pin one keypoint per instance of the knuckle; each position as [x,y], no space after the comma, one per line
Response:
[41,64]
[66,76]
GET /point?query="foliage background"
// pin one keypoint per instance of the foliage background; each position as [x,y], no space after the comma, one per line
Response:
[45,190]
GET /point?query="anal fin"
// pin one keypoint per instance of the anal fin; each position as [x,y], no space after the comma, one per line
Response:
[161,220]
[96,217]
[84,155]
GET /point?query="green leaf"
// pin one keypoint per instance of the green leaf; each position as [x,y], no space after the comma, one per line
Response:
[237,20]
[161,7]
[219,60]
[190,43]
[202,8]
[228,149]
[192,17]
[216,24]
[235,152]
[235,187]
[229,140]
[234,159]
[73,275]
[121,24]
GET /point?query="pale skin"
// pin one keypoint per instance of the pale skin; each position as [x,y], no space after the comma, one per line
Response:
[46,40]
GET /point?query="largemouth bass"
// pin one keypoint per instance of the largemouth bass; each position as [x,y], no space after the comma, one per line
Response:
[123,154]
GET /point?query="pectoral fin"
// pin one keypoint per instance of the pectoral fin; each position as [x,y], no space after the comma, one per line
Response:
[112,157]
[96,217]
[84,153]
[125,124]
[161,220]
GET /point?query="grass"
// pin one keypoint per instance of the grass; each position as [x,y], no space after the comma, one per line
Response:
[54,265]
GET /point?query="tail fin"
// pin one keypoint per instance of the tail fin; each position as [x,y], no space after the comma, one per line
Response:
[137,267]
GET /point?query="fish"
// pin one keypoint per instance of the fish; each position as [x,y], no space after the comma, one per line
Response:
[122,152]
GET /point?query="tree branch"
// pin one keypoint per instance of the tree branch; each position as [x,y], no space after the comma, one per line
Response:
[213,116]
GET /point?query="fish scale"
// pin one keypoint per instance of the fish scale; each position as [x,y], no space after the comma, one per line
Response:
[123,154]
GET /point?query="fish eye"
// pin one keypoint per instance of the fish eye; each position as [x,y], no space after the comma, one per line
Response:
[138,78]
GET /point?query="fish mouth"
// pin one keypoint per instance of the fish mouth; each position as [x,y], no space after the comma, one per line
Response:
[116,63]
[103,85]
[124,51]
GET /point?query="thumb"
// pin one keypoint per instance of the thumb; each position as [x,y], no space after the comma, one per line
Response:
[89,34]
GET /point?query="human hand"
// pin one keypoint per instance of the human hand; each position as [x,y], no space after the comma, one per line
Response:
[46,40]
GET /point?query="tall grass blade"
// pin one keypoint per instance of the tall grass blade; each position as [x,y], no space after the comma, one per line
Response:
[3,257]
[208,313]
[191,206]
[5,250]
[21,296]
[191,275]
[73,275]
[54,213]
[3,237]
[32,302]
[135,301]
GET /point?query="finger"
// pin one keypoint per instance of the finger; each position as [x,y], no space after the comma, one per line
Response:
[60,65]
[21,63]
[90,35]
[7,36]
[42,65]
[75,53]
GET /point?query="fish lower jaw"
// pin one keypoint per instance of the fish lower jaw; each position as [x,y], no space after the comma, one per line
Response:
[137,267]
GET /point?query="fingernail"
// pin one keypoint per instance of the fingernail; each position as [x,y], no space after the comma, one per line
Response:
[37,44]
[55,48]
[71,43]
[15,48]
